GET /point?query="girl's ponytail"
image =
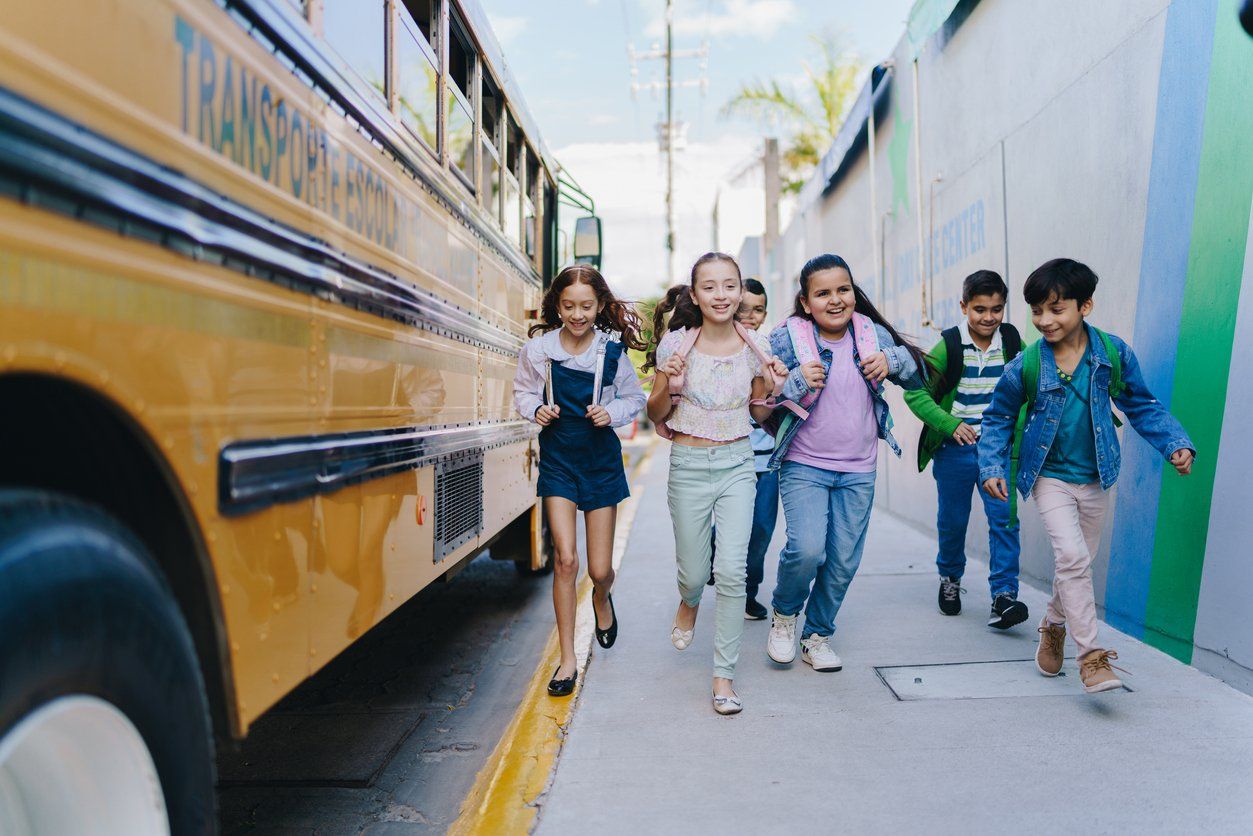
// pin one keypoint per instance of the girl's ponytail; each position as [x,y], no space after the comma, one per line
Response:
[686,314]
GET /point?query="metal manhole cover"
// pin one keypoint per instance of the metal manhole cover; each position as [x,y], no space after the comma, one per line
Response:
[980,680]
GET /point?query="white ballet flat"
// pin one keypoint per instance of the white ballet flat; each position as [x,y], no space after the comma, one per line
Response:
[681,639]
[728,705]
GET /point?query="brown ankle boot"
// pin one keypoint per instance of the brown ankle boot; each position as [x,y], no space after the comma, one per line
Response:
[1048,656]
[1096,672]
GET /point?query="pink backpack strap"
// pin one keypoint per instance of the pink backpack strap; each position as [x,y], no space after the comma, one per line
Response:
[676,381]
[805,347]
[776,381]
[865,336]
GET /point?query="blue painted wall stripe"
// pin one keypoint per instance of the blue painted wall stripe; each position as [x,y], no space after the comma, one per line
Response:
[1177,134]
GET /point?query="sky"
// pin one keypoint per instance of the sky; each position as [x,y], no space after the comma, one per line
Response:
[570,59]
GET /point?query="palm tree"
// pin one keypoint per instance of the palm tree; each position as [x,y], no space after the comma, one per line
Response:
[813,115]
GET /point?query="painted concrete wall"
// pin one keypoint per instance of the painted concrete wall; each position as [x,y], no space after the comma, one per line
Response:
[1070,129]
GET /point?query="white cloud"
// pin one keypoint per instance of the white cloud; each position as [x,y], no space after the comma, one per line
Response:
[507,27]
[752,18]
[601,119]
[627,181]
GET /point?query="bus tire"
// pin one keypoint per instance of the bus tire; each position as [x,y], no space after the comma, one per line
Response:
[97,668]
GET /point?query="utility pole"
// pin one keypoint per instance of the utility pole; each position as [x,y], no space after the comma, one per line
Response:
[672,262]
[668,133]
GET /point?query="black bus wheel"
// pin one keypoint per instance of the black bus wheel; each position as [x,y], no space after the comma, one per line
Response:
[104,721]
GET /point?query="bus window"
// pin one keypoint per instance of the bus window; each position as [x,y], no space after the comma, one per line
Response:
[490,136]
[460,115]
[355,29]
[417,75]
[511,219]
[530,191]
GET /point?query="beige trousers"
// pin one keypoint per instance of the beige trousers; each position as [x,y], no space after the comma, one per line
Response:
[1073,516]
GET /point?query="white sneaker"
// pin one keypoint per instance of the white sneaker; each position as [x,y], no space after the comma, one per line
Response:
[781,643]
[817,653]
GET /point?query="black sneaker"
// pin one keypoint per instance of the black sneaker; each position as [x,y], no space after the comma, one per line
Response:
[754,611]
[1006,612]
[950,596]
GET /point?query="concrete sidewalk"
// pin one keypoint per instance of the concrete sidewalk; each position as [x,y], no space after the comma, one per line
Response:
[963,749]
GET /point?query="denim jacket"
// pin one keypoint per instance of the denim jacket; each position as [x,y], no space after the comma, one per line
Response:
[901,369]
[1146,414]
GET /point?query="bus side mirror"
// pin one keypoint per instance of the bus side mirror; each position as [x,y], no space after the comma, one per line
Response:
[587,240]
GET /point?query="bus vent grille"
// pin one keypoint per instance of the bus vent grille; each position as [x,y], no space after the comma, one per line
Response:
[458,502]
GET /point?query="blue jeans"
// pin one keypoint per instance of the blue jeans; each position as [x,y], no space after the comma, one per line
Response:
[765,513]
[956,471]
[827,514]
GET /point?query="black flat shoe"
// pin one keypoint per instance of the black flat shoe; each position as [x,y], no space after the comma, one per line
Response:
[562,687]
[605,638]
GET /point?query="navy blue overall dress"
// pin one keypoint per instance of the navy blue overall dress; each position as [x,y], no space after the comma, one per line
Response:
[579,461]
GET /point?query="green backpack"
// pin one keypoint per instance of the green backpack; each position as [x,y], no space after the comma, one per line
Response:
[1031,386]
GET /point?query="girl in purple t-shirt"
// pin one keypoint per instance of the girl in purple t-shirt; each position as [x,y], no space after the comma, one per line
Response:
[827,461]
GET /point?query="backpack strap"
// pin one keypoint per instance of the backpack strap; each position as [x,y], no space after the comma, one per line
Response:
[1011,341]
[1031,373]
[676,381]
[776,381]
[805,347]
[865,336]
[954,360]
[1116,385]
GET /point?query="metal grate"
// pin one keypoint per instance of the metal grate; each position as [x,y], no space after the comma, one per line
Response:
[458,502]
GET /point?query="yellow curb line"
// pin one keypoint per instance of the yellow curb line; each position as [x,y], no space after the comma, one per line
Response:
[517,772]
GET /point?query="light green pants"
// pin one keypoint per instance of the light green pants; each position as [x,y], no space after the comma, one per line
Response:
[712,489]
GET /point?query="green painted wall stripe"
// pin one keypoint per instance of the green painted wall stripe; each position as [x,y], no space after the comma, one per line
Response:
[1207,330]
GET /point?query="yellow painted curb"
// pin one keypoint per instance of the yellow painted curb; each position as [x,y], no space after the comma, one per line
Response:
[516,775]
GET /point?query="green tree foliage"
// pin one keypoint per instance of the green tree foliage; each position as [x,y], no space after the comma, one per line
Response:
[809,117]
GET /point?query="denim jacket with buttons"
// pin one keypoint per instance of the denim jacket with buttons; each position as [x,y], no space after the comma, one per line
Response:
[902,370]
[1146,414]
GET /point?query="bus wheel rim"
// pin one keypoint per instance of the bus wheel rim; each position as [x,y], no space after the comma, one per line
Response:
[79,763]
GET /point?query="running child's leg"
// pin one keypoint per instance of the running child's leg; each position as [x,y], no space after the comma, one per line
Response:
[600,529]
[806,498]
[956,470]
[1004,548]
[563,525]
[765,515]
[848,512]
[690,497]
[733,522]
[1074,602]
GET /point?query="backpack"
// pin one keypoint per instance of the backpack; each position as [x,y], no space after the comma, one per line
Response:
[1031,388]
[929,440]
[954,359]
[805,346]
[676,382]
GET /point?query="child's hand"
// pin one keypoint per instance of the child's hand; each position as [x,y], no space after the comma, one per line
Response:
[673,366]
[965,434]
[778,367]
[1182,460]
[815,376]
[995,488]
[598,415]
[875,367]
[546,414]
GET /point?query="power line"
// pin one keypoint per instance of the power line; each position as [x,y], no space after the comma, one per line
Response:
[669,133]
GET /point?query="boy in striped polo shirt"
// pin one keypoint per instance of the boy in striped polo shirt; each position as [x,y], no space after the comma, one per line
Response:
[965,366]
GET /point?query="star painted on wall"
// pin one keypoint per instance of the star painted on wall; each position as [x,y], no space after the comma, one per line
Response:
[898,157]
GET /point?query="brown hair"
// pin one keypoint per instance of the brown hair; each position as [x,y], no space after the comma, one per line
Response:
[679,300]
[614,315]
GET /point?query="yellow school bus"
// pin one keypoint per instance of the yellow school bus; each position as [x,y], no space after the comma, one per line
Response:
[265,268]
